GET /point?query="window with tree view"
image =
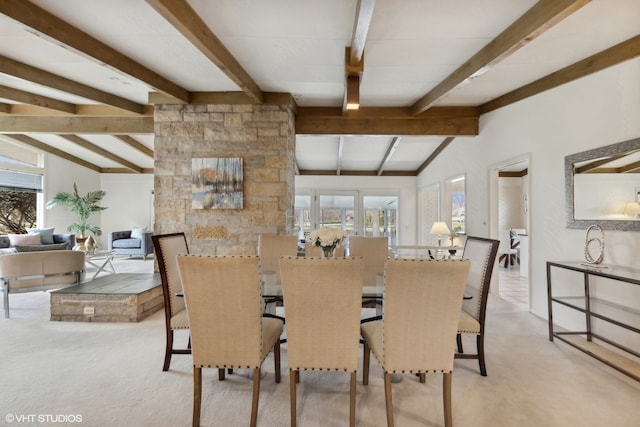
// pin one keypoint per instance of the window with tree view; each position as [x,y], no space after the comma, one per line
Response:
[20,183]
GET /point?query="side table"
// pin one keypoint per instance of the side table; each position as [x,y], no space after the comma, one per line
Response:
[100,259]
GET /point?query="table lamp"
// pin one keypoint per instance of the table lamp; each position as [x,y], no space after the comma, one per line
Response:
[440,228]
[631,210]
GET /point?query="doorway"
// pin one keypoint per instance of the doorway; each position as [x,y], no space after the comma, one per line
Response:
[509,223]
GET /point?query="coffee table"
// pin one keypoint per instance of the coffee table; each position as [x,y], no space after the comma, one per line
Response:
[100,259]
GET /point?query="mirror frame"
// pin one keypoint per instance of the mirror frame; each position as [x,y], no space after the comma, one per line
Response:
[569,161]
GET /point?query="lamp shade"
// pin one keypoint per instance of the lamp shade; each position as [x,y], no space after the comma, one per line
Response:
[439,228]
[631,209]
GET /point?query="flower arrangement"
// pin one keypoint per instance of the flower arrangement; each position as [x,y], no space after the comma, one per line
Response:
[328,239]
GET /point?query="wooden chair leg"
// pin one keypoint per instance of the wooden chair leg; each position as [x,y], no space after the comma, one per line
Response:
[459,342]
[423,377]
[197,395]
[221,374]
[293,378]
[480,344]
[256,396]
[352,405]
[276,360]
[387,398]
[366,357]
[168,349]
[446,397]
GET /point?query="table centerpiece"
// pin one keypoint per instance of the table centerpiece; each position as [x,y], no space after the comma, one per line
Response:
[328,239]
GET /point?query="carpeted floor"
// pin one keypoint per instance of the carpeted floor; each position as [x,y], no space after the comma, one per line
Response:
[111,375]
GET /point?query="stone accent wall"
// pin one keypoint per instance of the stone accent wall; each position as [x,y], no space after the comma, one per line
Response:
[263,135]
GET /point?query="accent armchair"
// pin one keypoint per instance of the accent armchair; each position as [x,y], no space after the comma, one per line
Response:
[129,242]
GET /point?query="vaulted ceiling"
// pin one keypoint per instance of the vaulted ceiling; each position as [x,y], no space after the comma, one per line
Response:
[79,78]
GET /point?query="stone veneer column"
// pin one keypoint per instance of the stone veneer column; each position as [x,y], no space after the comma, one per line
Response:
[263,135]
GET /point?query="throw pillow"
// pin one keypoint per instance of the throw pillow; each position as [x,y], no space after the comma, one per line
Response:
[36,248]
[24,239]
[46,234]
[136,232]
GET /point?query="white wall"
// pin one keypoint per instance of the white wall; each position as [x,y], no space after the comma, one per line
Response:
[405,187]
[130,201]
[594,111]
[128,198]
[60,174]
[511,206]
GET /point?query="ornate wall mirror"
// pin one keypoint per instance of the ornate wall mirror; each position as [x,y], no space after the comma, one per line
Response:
[602,187]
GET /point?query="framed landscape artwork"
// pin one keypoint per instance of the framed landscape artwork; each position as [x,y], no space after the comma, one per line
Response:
[216,183]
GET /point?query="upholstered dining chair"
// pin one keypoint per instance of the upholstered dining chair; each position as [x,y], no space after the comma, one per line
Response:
[223,300]
[167,248]
[375,251]
[417,333]
[482,254]
[270,248]
[325,335]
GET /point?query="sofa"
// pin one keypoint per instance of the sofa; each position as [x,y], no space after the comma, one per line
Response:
[39,271]
[60,241]
[131,242]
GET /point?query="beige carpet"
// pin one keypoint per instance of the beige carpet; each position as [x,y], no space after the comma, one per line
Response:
[111,375]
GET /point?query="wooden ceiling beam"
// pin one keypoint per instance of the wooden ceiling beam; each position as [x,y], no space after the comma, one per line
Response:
[340,149]
[37,100]
[355,173]
[435,154]
[81,110]
[617,54]
[389,112]
[124,170]
[354,55]
[182,16]
[52,27]
[81,142]
[390,150]
[74,124]
[347,125]
[5,108]
[32,142]
[542,16]
[45,78]
[234,98]
[137,145]
[364,14]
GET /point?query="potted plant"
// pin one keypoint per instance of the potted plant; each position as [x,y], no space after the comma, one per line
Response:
[83,207]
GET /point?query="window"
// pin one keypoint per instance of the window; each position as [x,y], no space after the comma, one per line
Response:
[20,187]
[455,191]
[341,209]
[380,217]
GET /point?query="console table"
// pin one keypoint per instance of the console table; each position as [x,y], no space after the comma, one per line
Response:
[619,315]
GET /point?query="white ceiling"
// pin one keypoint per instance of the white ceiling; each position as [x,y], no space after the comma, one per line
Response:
[297,47]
